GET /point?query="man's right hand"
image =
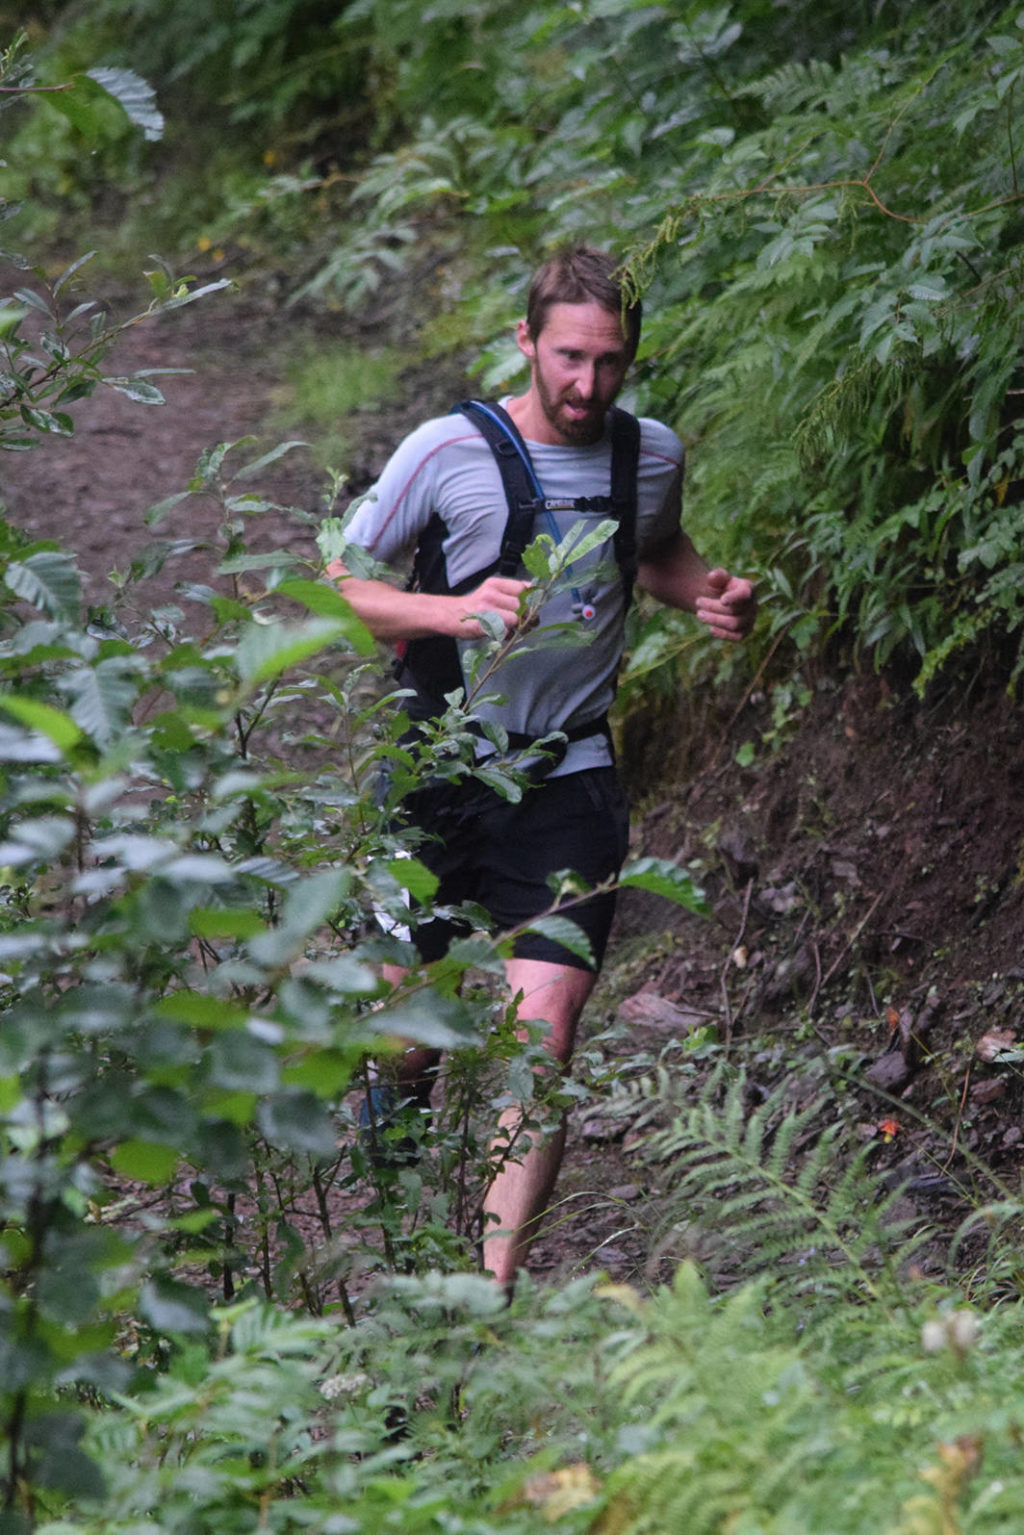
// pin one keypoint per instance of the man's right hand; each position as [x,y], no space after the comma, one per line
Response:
[498,594]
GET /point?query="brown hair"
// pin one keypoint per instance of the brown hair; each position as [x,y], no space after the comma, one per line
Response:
[581,275]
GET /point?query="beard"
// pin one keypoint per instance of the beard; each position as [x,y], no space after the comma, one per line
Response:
[560,412]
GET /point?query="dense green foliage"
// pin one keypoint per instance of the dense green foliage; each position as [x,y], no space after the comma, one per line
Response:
[822,207]
[822,203]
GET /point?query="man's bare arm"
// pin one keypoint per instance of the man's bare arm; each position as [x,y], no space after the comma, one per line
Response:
[676,575]
[391,613]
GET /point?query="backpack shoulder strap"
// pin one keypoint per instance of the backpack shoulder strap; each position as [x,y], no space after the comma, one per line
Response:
[518,477]
[525,496]
[625,465]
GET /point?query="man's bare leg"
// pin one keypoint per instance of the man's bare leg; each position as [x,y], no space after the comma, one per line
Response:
[418,1062]
[403,1081]
[522,1191]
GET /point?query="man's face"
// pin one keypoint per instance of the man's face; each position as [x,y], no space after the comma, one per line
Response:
[577,366]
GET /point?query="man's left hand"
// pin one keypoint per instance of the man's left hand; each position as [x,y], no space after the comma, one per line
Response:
[728,605]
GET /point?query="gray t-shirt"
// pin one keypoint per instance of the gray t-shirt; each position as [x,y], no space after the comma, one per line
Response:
[564,672]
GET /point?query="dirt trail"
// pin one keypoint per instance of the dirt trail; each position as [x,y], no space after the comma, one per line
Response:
[92,492]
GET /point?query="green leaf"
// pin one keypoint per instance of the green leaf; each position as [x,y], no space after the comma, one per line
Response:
[135,850]
[238,564]
[200,1011]
[664,878]
[24,746]
[104,698]
[11,316]
[259,464]
[55,725]
[316,597]
[135,98]
[414,877]
[47,421]
[236,1108]
[67,1291]
[171,1307]
[316,898]
[1004,46]
[344,974]
[266,651]
[148,1161]
[225,922]
[34,301]
[135,389]
[564,931]
[21,945]
[327,1073]
[159,511]
[184,295]
[97,1008]
[308,905]
[194,1221]
[251,503]
[226,609]
[197,868]
[239,1062]
[48,580]
[59,1463]
[68,273]
[930,291]
[300,1122]
[426,1019]
[37,838]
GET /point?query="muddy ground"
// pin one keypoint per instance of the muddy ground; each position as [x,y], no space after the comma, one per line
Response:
[865,880]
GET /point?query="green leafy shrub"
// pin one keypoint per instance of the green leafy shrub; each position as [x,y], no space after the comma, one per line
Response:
[592,1408]
[87,132]
[191,969]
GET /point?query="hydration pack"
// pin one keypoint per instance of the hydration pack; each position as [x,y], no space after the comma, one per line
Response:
[431,665]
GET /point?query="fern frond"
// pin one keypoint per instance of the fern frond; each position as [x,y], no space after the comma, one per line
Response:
[816,86]
[717,1371]
[771,1190]
[793,86]
[989,1241]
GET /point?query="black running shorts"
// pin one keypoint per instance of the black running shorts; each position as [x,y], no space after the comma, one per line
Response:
[499,855]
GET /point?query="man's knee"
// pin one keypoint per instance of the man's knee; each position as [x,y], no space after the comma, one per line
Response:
[552,994]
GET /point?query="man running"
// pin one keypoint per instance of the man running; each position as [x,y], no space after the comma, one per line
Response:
[442,492]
